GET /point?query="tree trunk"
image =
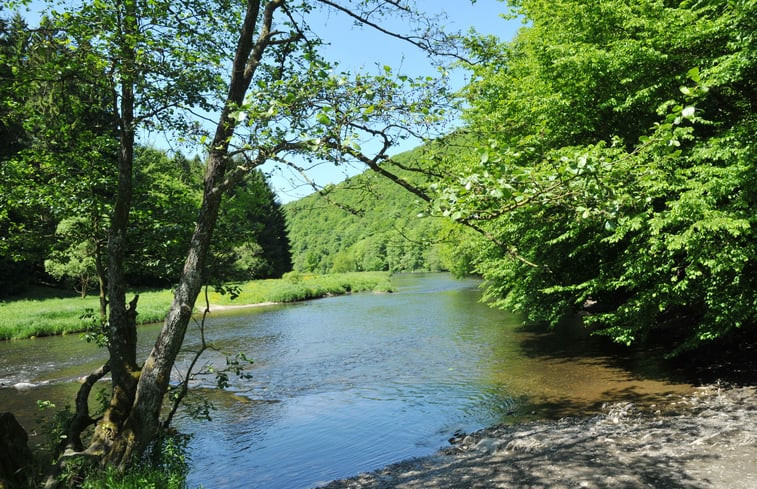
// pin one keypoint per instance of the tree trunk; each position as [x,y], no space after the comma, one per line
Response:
[101,282]
[142,424]
[83,286]
[132,420]
[122,329]
[144,420]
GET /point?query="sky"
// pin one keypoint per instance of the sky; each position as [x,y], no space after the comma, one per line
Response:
[364,49]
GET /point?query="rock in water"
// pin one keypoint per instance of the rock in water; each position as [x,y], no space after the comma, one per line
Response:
[15,456]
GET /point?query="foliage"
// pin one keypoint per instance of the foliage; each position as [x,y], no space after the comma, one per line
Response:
[61,140]
[260,247]
[614,171]
[53,428]
[167,193]
[77,261]
[370,223]
[168,471]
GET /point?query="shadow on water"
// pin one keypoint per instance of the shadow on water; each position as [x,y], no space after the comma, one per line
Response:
[569,372]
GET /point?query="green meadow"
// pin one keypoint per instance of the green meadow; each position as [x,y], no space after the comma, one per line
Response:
[45,312]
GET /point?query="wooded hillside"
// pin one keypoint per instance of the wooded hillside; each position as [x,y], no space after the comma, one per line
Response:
[371,223]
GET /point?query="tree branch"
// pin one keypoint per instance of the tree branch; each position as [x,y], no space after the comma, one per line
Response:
[420,42]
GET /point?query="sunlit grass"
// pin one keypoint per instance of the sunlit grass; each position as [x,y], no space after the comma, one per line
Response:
[45,312]
[297,287]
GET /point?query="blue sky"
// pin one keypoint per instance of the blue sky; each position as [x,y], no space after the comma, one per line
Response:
[364,49]
[358,49]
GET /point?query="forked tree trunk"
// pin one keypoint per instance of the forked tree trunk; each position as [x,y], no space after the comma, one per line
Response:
[122,330]
[133,434]
[143,421]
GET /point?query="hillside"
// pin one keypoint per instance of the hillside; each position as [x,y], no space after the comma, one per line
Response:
[371,223]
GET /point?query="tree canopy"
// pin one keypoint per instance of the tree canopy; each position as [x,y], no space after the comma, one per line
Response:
[613,168]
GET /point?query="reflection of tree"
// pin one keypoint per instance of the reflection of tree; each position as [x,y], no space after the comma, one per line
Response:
[568,372]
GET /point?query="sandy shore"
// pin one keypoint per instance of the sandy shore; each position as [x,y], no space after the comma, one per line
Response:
[704,440]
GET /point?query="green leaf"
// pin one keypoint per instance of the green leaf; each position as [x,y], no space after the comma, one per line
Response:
[323,118]
[693,74]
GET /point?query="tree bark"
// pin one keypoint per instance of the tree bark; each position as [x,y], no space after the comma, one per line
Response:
[81,419]
[122,329]
[143,421]
[101,282]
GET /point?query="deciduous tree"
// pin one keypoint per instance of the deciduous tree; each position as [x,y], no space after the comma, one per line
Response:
[281,103]
[614,167]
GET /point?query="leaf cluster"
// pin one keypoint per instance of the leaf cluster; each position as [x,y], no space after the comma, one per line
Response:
[613,167]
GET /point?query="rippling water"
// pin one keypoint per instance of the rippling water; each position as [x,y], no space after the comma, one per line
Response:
[349,384]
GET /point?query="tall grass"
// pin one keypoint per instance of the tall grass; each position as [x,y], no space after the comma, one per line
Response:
[297,287]
[43,313]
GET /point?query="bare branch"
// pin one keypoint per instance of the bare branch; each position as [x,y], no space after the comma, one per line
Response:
[421,42]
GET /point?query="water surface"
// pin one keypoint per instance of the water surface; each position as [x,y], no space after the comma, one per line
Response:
[352,383]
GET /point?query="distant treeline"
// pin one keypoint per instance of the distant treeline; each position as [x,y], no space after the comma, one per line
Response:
[60,244]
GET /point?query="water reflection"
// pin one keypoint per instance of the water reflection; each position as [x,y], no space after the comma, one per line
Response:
[349,384]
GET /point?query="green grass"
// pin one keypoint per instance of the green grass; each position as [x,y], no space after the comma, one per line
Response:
[297,287]
[168,472]
[47,312]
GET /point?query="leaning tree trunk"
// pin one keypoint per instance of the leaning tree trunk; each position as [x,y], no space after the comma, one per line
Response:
[142,424]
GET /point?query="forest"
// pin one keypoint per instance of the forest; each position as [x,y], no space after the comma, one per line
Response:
[606,167]
[601,163]
[370,223]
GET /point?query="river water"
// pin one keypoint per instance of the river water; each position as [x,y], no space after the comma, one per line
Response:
[349,384]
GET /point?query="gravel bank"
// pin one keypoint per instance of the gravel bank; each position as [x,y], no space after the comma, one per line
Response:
[705,440]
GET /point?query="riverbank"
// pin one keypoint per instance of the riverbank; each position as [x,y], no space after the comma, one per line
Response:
[700,441]
[53,312]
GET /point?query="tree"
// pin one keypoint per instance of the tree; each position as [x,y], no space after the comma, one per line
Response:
[167,190]
[298,108]
[61,137]
[282,103]
[79,260]
[612,172]
[251,237]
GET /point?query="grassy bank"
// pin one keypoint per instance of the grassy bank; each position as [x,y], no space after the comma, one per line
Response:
[43,313]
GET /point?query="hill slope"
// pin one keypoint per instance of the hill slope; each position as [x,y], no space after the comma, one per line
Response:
[370,223]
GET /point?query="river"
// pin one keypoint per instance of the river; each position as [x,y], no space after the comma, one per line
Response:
[348,384]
